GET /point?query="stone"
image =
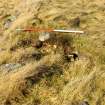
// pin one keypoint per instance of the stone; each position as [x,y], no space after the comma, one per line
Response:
[7,24]
[11,66]
[44,36]
[9,21]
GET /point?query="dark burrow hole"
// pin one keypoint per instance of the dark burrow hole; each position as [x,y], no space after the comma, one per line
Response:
[37,55]
[38,44]
[71,57]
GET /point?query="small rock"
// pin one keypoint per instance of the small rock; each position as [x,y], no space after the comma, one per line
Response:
[7,24]
[11,66]
[44,36]
[9,21]
[13,18]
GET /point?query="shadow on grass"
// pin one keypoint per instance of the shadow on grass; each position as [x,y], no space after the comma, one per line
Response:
[44,71]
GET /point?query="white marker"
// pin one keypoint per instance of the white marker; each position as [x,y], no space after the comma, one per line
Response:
[49,30]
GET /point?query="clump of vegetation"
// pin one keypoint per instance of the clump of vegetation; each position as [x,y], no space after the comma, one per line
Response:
[76,22]
[44,71]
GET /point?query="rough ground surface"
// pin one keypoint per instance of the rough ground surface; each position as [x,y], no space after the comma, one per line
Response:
[30,76]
